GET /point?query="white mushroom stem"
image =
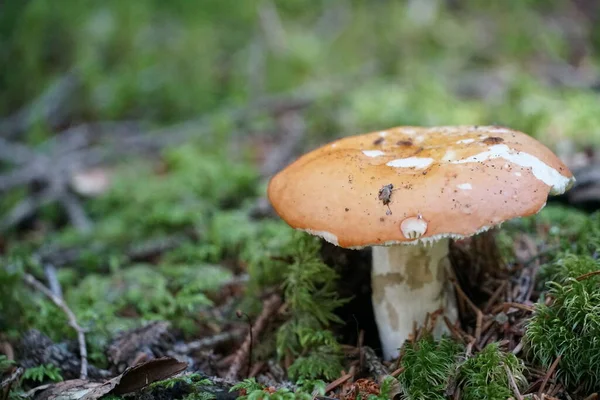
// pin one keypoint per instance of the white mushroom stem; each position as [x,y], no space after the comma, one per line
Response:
[408,282]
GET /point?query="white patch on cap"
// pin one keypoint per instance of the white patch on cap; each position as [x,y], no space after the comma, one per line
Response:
[449,155]
[408,131]
[518,174]
[464,186]
[383,133]
[413,227]
[328,236]
[411,162]
[373,153]
[333,144]
[465,141]
[551,177]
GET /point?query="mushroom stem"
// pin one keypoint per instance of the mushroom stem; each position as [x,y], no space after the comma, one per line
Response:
[409,281]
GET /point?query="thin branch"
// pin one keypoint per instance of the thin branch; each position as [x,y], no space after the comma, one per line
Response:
[476,310]
[49,107]
[513,384]
[549,374]
[77,149]
[15,153]
[339,381]
[34,283]
[26,208]
[272,28]
[586,276]
[21,176]
[53,283]
[75,212]
[270,306]
[7,384]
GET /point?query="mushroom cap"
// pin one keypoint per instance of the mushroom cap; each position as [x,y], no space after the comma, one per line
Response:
[448,181]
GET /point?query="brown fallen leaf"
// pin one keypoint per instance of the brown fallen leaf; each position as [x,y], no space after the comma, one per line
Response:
[132,379]
[68,390]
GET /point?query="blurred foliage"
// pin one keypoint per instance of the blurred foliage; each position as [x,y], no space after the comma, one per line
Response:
[107,293]
[525,64]
[554,229]
[212,198]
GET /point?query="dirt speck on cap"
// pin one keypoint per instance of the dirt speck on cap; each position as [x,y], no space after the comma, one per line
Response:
[493,140]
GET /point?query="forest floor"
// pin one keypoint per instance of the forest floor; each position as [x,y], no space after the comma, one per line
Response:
[140,257]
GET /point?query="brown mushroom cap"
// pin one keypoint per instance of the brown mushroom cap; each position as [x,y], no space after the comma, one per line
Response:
[452,181]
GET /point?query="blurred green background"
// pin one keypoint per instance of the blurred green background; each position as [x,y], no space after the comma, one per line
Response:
[528,64]
[89,84]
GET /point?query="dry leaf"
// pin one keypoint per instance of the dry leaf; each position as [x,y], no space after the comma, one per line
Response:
[132,379]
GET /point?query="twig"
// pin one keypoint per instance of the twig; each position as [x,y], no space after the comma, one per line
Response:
[518,348]
[53,283]
[507,305]
[548,375]
[31,281]
[512,382]
[6,384]
[476,310]
[49,106]
[73,153]
[342,379]
[586,276]
[273,30]
[495,296]
[269,307]
[250,333]
[75,212]
[15,153]
[26,208]
[453,330]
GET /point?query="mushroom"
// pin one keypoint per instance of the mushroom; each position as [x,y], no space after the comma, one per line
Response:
[406,192]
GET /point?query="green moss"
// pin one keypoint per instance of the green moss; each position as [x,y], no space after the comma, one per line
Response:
[428,367]
[484,376]
[570,326]
[554,229]
[252,390]
[311,295]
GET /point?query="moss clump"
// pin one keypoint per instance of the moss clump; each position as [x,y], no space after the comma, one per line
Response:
[311,295]
[569,326]
[249,389]
[432,368]
[428,366]
[484,376]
